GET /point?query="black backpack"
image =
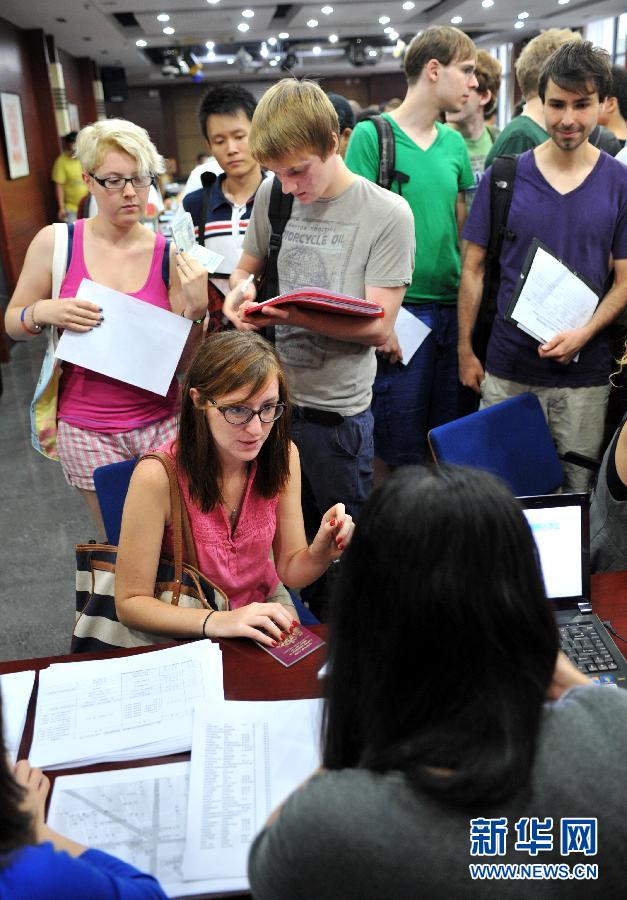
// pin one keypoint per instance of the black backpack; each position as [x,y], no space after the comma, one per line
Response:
[388,173]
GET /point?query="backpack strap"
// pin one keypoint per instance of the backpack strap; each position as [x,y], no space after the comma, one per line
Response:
[388,173]
[279,212]
[61,254]
[208,180]
[165,264]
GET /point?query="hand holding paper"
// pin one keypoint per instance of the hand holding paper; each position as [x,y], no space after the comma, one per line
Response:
[184,239]
[565,346]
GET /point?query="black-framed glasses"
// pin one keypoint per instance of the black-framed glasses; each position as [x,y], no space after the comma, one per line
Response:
[118,182]
[242,415]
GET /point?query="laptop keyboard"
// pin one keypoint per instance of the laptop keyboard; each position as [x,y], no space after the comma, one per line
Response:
[583,645]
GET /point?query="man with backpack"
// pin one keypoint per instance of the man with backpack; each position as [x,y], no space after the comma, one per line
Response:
[431,170]
[573,198]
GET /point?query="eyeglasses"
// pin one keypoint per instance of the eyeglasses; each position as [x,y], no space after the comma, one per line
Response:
[118,182]
[242,415]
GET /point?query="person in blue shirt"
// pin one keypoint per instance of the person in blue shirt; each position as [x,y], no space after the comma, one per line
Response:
[37,863]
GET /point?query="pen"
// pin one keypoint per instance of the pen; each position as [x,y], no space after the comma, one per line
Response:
[241,291]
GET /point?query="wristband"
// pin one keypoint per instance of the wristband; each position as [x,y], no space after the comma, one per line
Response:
[194,322]
[25,326]
[209,614]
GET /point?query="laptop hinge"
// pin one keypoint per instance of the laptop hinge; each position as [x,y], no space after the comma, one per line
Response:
[584,607]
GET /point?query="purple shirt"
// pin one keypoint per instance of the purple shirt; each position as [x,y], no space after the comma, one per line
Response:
[582,228]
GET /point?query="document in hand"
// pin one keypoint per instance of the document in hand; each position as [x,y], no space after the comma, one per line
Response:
[137,343]
[550,297]
[319,300]
[16,688]
[247,757]
[132,707]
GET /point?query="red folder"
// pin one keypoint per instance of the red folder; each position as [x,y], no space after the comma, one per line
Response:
[320,300]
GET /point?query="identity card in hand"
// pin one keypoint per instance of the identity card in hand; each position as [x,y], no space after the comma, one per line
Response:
[300,643]
[184,239]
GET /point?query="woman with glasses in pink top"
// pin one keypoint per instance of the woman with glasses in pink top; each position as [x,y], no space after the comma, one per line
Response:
[239,476]
[100,419]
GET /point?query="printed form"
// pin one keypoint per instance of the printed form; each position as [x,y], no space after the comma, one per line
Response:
[127,708]
[15,690]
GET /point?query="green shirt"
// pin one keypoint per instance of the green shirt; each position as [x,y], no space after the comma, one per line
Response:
[436,176]
[519,135]
[478,149]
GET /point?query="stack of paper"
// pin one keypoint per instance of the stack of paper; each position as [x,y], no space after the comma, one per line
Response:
[128,708]
[16,688]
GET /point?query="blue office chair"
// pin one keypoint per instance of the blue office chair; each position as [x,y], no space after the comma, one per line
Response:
[510,439]
[111,483]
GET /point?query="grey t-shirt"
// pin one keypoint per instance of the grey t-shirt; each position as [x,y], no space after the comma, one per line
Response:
[364,236]
[356,834]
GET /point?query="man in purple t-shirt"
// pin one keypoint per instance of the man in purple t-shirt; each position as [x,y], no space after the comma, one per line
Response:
[573,198]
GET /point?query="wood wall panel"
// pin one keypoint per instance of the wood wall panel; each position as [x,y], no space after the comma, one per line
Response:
[78,74]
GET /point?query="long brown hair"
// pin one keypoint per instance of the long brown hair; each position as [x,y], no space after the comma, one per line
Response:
[227,362]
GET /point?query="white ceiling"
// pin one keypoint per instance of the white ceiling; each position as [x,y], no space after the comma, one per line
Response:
[85,28]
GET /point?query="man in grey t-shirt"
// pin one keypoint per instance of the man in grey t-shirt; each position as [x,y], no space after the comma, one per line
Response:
[346,235]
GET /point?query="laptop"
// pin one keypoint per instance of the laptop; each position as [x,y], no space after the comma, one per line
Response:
[560,524]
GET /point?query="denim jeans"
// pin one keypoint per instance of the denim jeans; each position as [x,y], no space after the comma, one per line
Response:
[409,400]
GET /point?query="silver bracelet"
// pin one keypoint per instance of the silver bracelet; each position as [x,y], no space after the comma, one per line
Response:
[32,316]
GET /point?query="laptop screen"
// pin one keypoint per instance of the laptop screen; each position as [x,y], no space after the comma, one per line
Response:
[560,527]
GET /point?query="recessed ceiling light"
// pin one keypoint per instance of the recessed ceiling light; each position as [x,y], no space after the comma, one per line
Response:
[388,30]
[168,30]
[563,2]
[312,23]
[283,35]
[264,52]
[210,45]
[487,4]
[523,15]
[372,52]
[215,3]
[248,13]
[230,61]
[333,38]
[316,50]
[327,10]
[274,62]
[163,17]
[243,26]
[141,43]
[272,41]
[409,4]
[456,20]
[393,35]
[519,24]
[383,20]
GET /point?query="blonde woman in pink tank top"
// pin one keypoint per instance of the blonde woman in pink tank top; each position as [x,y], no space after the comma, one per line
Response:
[239,475]
[99,419]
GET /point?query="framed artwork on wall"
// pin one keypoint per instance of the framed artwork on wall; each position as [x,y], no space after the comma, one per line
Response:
[75,124]
[15,140]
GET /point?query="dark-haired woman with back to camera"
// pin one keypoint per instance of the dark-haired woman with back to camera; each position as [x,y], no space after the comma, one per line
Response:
[453,729]
[37,863]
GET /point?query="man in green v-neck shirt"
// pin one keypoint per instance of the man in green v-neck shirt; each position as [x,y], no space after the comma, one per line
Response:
[410,399]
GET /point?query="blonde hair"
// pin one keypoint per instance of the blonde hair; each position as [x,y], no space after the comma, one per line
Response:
[441,42]
[96,140]
[292,116]
[530,62]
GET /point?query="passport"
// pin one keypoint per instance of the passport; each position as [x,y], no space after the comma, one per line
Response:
[300,643]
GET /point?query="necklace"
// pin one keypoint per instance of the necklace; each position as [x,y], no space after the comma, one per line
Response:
[233,512]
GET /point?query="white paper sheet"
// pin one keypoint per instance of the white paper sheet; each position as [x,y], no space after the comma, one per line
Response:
[553,299]
[16,689]
[138,815]
[133,707]
[410,332]
[247,757]
[137,343]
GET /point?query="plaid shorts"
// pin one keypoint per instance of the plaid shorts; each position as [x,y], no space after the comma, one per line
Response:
[82,451]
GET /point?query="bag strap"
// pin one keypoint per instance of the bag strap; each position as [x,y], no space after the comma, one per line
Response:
[501,193]
[208,180]
[387,155]
[279,212]
[182,537]
[59,257]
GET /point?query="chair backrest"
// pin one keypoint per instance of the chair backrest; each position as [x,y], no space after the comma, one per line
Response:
[510,439]
[111,483]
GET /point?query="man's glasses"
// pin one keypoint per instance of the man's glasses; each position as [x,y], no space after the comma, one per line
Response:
[118,183]
[242,415]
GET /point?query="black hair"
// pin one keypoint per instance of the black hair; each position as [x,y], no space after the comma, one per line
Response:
[16,824]
[225,100]
[577,66]
[442,643]
[618,89]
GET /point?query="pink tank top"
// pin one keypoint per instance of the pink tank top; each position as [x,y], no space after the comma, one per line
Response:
[96,402]
[239,564]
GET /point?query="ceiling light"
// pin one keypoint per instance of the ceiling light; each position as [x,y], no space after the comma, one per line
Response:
[272,41]
[372,52]
[248,13]
[230,60]
[383,20]
[210,45]
[141,43]
[168,30]
[388,30]
[409,4]
[487,3]
[563,2]
[523,15]
[163,17]
[333,38]
[283,35]
[316,50]
[274,62]
[519,24]
[456,20]
[393,35]
[327,10]
[312,23]
[215,3]
[264,52]
[243,26]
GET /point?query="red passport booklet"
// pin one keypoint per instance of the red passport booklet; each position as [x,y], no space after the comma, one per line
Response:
[323,301]
[300,643]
